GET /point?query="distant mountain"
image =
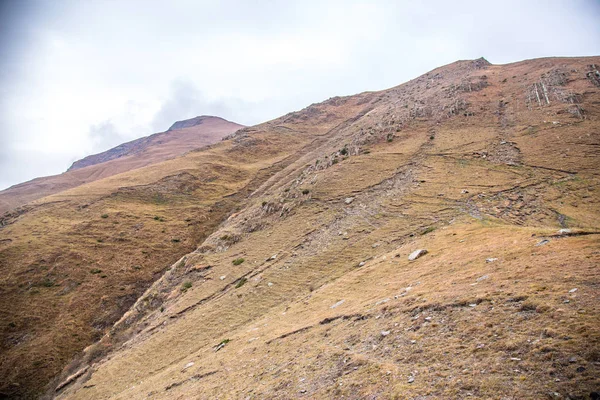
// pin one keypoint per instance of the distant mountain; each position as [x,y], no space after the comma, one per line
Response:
[168,141]
[182,137]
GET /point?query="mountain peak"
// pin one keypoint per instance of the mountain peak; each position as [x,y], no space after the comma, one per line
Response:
[186,123]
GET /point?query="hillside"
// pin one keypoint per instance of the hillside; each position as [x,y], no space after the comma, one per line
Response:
[295,282]
[194,133]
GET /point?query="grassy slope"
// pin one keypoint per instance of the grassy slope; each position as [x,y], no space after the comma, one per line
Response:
[487,179]
[75,261]
[436,163]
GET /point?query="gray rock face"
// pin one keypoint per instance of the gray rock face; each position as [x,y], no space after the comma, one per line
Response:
[416,254]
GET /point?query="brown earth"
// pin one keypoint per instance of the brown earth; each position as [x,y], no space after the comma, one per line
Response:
[138,153]
[305,289]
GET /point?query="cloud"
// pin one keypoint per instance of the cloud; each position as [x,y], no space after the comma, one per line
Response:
[79,77]
[184,100]
[105,136]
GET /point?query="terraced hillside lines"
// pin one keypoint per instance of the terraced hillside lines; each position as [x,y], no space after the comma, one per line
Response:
[78,259]
[306,290]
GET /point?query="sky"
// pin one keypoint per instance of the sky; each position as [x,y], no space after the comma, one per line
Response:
[80,77]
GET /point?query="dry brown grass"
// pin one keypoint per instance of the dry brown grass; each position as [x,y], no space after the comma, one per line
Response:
[324,277]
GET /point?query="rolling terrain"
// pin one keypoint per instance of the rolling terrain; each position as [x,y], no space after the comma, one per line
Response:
[182,137]
[290,276]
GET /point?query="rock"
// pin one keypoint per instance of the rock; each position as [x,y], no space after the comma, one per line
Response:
[222,277]
[490,260]
[70,379]
[573,359]
[416,254]
[361,264]
[349,200]
[542,242]
[273,257]
[564,231]
[385,333]
[482,278]
[188,365]
[573,290]
[339,303]
[464,191]
[375,245]
[411,379]
[269,284]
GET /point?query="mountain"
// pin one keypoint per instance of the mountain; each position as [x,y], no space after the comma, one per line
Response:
[182,137]
[283,262]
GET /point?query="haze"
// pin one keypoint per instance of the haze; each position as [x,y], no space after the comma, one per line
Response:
[80,77]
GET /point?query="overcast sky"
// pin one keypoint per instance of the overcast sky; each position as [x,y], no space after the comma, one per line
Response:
[79,77]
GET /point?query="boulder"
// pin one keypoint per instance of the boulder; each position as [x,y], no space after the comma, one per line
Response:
[416,254]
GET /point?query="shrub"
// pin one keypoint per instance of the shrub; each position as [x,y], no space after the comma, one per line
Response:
[95,271]
[186,285]
[47,283]
[175,240]
[241,283]
[104,216]
[305,191]
[431,137]
[344,151]
[238,261]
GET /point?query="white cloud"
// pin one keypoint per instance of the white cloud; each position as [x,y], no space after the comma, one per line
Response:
[79,76]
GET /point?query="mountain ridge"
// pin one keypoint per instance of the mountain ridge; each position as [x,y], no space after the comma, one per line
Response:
[283,251]
[133,154]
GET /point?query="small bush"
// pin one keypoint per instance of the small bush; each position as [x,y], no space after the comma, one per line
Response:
[238,261]
[47,283]
[241,283]
[431,137]
[186,285]
[175,240]
[95,271]
[104,216]
[305,191]
[344,151]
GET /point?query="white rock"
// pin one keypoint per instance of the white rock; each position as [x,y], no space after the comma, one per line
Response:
[188,365]
[385,333]
[222,277]
[573,290]
[490,260]
[411,379]
[564,231]
[416,254]
[339,303]
[349,200]
[269,284]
